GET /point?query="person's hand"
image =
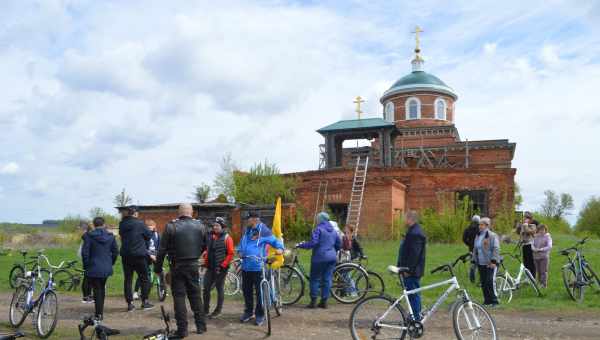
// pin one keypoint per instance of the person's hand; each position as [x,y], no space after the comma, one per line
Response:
[153,258]
[492,265]
[218,270]
[297,245]
[279,251]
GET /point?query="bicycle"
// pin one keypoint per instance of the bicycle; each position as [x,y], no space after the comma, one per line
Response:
[99,331]
[44,307]
[12,336]
[577,273]
[165,333]
[383,317]
[268,289]
[233,281]
[68,278]
[505,284]
[376,284]
[350,281]
[19,269]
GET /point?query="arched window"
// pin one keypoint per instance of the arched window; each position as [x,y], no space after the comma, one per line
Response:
[389,112]
[413,108]
[440,109]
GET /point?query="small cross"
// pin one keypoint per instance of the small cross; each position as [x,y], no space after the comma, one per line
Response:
[358,101]
[417,41]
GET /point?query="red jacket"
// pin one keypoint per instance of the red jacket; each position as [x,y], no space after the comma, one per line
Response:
[229,247]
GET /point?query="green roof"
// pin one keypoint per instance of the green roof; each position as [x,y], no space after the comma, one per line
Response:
[356,124]
[419,80]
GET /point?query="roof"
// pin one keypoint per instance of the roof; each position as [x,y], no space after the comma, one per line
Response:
[419,80]
[356,124]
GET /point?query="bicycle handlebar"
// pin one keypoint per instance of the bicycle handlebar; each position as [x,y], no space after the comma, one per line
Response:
[463,258]
[575,247]
[49,264]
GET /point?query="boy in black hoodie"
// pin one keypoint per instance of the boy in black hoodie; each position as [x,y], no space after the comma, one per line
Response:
[99,253]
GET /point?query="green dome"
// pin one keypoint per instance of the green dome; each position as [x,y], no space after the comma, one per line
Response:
[418,80]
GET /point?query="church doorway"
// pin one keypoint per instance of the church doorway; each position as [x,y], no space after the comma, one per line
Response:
[339,212]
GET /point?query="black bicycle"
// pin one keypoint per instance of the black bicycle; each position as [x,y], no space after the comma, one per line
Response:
[165,333]
[99,331]
[69,278]
[577,273]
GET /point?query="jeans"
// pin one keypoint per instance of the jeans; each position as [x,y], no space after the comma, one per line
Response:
[486,275]
[472,270]
[320,278]
[139,265]
[528,259]
[98,286]
[410,283]
[86,290]
[541,266]
[185,281]
[212,278]
[250,286]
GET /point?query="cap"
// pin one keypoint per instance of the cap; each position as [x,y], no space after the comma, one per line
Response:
[252,214]
[221,221]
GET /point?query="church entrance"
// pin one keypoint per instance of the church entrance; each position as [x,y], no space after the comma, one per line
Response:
[339,212]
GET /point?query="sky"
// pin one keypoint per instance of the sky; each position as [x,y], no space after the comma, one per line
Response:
[98,96]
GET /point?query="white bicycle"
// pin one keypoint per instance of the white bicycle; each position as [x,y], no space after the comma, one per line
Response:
[505,284]
[383,317]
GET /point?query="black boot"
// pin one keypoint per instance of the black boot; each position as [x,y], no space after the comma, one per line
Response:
[180,333]
[323,304]
[313,303]
[200,328]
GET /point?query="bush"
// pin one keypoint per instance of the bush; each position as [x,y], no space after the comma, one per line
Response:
[447,225]
[298,228]
[262,185]
[589,217]
[555,225]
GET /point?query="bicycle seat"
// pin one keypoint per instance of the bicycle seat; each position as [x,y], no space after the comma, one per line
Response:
[398,270]
[103,330]
[72,263]
[17,334]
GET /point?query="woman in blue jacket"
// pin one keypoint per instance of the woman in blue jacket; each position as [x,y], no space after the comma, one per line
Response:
[99,253]
[325,243]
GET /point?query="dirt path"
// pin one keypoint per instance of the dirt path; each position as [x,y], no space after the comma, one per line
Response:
[300,323]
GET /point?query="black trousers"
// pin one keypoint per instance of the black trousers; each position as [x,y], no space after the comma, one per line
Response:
[217,280]
[139,265]
[185,280]
[486,275]
[98,286]
[86,290]
[528,259]
[250,288]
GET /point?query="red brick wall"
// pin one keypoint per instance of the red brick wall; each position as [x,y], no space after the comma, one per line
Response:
[427,107]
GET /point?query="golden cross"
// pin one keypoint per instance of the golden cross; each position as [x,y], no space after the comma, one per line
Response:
[416,32]
[358,101]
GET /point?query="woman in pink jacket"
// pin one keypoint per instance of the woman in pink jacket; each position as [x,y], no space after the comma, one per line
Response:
[542,243]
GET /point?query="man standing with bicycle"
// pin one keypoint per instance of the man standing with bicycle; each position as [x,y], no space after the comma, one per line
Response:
[184,241]
[134,251]
[253,244]
[412,255]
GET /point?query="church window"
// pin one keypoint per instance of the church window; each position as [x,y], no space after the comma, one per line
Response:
[413,108]
[440,109]
[389,112]
[477,201]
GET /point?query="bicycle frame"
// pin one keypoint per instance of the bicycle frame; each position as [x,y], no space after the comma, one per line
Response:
[576,262]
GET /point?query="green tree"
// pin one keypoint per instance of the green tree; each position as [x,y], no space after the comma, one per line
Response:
[518,196]
[263,184]
[556,206]
[109,220]
[122,199]
[224,180]
[201,192]
[589,217]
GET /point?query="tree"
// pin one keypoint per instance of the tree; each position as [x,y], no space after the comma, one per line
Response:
[518,196]
[109,220]
[556,206]
[263,184]
[122,199]
[224,182]
[201,192]
[589,217]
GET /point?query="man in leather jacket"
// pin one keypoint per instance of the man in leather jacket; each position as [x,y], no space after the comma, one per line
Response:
[184,240]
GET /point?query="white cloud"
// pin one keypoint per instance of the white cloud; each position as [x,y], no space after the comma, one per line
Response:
[490,48]
[10,168]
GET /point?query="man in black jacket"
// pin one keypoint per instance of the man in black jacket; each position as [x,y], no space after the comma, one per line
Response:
[412,255]
[469,236]
[134,244]
[184,241]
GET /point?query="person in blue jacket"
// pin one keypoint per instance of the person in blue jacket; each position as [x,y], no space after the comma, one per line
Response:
[411,254]
[256,237]
[325,243]
[99,253]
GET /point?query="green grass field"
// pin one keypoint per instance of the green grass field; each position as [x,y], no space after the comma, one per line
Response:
[383,253]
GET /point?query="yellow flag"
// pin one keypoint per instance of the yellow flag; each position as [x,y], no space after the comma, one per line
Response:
[278,234]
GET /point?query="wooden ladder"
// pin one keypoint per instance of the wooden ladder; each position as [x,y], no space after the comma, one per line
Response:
[358,190]
[321,198]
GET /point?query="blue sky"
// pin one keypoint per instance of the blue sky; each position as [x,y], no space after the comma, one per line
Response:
[149,96]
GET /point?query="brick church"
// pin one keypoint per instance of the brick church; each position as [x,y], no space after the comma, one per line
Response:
[416,158]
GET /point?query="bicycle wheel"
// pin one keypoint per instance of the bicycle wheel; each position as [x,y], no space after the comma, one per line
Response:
[266,304]
[366,319]
[376,284]
[161,290]
[570,281]
[472,321]
[291,288]
[63,279]
[16,273]
[232,284]
[591,277]
[18,307]
[47,315]
[503,290]
[533,283]
[350,283]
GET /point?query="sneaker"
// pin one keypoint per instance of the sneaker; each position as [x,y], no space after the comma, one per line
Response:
[130,307]
[147,305]
[136,296]
[259,320]
[214,314]
[200,329]
[99,317]
[87,300]
[246,317]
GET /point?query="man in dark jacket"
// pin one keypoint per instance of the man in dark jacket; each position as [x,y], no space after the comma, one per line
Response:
[412,255]
[184,240]
[99,253]
[469,236]
[134,250]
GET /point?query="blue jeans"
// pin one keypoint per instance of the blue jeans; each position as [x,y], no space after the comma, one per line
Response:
[411,283]
[320,277]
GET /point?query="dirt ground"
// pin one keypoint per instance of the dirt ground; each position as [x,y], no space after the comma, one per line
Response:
[300,323]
